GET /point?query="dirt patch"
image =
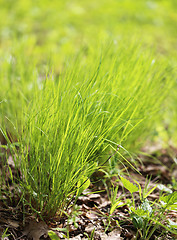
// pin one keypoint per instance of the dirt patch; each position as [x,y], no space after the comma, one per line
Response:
[91,216]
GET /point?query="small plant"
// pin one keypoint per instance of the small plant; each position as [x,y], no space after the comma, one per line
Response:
[147,217]
[115,203]
[71,219]
[53,235]
[5,235]
[91,237]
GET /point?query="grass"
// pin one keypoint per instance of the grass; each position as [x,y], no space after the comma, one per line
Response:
[75,85]
[70,122]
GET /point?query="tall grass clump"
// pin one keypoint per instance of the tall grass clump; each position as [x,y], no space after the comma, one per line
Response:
[69,124]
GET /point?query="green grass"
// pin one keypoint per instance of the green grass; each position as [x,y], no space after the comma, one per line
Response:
[70,122]
[76,84]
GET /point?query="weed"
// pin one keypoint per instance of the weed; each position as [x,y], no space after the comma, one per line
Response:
[53,235]
[149,216]
[5,235]
[91,235]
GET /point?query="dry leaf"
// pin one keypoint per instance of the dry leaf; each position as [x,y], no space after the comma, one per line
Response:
[89,228]
[13,223]
[77,237]
[115,235]
[35,230]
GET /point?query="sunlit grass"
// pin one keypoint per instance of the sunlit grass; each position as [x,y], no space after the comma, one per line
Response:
[71,120]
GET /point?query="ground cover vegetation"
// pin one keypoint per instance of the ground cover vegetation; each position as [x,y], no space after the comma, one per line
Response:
[84,87]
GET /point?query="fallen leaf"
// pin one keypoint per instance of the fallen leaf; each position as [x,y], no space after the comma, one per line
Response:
[34,230]
[13,223]
[77,237]
[115,235]
[89,228]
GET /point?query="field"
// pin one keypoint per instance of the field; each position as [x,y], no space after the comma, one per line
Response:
[88,119]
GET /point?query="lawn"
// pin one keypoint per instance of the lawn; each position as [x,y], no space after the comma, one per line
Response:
[87,108]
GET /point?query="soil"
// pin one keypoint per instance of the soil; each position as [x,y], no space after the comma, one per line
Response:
[91,215]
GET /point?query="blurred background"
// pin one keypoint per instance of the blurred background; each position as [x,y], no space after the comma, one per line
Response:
[42,33]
